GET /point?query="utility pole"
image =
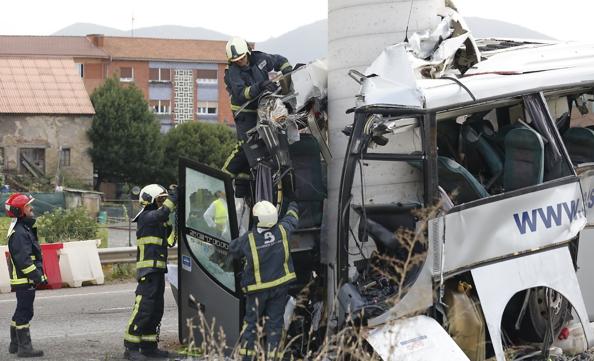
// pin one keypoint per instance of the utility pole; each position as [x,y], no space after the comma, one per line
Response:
[132,30]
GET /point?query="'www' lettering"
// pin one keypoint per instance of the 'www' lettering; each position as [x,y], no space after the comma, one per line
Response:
[549,216]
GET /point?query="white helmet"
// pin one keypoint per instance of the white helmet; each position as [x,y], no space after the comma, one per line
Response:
[266,213]
[150,193]
[237,48]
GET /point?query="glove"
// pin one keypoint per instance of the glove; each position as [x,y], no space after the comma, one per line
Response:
[287,70]
[268,85]
[37,277]
[43,280]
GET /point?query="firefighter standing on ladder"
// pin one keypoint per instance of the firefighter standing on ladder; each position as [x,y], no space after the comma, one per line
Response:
[26,271]
[268,271]
[152,240]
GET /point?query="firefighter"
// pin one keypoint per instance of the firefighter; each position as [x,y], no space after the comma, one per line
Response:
[246,78]
[216,215]
[152,240]
[26,271]
[267,272]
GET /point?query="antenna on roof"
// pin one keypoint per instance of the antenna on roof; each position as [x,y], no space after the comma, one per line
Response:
[408,21]
[132,30]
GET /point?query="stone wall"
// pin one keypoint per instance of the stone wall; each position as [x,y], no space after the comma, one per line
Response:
[48,132]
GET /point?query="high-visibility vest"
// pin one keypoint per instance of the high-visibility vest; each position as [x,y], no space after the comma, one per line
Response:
[220,217]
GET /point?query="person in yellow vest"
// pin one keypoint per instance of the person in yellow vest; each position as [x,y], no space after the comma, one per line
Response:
[216,215]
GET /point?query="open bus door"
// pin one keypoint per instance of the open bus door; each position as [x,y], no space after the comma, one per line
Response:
[207,222]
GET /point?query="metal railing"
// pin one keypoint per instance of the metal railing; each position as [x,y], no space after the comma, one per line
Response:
[126,255]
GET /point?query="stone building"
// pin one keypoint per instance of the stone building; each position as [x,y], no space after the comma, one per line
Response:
[45,113]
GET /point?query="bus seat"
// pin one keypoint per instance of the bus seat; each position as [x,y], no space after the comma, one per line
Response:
[580,144]
[492,160]
[524,159]
[456,180]
[459,182]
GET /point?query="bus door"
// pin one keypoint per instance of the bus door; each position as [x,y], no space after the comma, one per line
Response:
[208,283]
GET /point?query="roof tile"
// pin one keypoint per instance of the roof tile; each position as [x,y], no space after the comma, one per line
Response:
[165,49]
[42,86]
[75,46]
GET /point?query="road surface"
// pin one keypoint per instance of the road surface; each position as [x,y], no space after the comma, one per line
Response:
[83,323]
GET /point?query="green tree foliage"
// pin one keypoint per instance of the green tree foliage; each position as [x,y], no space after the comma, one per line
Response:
[210,144]
[125,135]
[63,225]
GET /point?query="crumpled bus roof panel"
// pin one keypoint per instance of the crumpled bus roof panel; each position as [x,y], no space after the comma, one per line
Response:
[406,74]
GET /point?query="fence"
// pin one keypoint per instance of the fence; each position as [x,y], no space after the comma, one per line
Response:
[116,216]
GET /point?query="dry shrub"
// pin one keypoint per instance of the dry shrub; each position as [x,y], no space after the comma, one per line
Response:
[347,343]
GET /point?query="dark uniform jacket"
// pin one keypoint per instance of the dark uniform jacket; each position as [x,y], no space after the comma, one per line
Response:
[243,83]
[268,256]
[152,233]
[26,265]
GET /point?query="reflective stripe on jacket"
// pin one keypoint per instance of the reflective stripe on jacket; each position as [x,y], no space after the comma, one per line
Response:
[26,263]
[268,254]
[151,239]
[242,83]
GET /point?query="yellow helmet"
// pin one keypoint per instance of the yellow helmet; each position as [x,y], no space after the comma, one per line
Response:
[266,213]
[237,48]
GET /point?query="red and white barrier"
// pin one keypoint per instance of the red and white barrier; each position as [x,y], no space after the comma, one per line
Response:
[79,262]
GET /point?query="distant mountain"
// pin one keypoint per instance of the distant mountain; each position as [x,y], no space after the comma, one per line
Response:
[489,28]
[301,45]
[163,31]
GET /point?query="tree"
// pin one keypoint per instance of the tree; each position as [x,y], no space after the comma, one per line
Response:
[206,143]
[127,144]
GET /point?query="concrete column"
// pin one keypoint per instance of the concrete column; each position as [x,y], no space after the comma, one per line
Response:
[358,31]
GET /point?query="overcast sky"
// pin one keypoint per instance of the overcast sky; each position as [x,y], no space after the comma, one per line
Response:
[563,20]
[259,20]
[255,20]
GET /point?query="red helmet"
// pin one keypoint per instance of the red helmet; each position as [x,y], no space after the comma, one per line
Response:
[15,204]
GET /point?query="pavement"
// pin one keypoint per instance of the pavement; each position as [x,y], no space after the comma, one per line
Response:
[84,323]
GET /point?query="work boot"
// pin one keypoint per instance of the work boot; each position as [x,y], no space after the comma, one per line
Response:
[155,353]
[133,355]
[14,345]
[25,348]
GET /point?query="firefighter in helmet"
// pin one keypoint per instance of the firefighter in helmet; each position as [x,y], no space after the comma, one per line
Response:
[26,271]
[245,79]
[152,241]
[267,272]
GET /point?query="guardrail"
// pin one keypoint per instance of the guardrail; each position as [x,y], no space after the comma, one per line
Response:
[126,255]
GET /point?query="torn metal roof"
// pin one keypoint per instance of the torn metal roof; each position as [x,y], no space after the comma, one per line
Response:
[42,86]
[444,69]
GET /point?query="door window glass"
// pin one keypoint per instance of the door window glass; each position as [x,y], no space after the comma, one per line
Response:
[207,220]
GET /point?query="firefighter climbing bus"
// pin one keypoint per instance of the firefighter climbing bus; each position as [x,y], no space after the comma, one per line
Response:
[495,145]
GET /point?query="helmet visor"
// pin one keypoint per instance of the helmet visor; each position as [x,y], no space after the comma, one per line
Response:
[233,60]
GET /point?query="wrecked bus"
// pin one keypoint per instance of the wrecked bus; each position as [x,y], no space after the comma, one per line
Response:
[492,143]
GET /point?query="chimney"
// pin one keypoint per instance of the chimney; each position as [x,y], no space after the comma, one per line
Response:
[96,39]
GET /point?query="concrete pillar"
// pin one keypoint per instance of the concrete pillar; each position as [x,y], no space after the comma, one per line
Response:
[358,30]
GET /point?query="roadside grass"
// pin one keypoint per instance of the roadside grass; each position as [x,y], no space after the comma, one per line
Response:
[120,272]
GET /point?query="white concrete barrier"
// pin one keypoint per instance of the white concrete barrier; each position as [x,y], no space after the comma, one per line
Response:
[4,275]
[79,262]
